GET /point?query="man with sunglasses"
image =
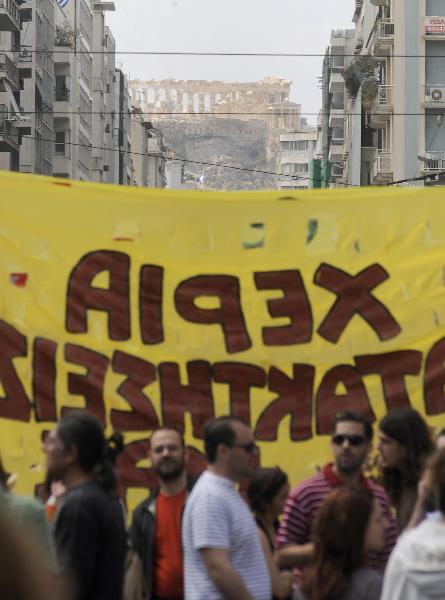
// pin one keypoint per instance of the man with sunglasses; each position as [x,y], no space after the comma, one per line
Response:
[223,557]
[350,443]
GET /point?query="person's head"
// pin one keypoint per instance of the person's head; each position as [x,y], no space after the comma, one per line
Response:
[436,472]
[351,442]
[349,525]
[440,440]
[404,443]
[167,453]
[267,491]
[78,445]
[230,447]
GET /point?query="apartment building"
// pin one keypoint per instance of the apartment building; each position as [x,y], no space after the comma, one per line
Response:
[395,114]
[297,150]
[331,143]
[26,85]
[65,108]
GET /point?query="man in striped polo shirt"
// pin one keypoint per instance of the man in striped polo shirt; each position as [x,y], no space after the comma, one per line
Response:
[223,557]
[351,443]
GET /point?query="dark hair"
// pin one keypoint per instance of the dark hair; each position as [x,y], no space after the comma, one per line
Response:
[219,431]
[339,542]
[355,417]
[406,426]
[4,476]
[264,486]
[168,428]
[95,454]
[437,468]
[441,433]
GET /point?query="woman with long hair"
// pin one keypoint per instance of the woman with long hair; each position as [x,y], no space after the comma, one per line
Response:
[348,527]
[405,445]
[267,492]
[416,568]
[89,526]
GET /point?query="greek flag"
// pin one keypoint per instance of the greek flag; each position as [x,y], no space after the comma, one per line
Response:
[63,3]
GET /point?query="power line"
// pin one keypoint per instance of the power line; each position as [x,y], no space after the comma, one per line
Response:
[224,115]
[222,54]
[184,160]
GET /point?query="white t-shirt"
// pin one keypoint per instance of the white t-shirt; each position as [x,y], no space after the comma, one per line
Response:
[216,516]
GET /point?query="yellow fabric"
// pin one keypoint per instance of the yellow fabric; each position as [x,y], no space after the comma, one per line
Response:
[52,231]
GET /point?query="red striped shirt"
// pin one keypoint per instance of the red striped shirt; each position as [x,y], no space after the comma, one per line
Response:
[303,504]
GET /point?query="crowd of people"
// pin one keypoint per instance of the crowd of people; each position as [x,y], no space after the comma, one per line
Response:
[338,535]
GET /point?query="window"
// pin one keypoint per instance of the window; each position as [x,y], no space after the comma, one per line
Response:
[295,145]
[62,91]
[61,143]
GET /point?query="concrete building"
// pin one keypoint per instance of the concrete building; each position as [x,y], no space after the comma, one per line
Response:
[149,163]
[331,125]
[26,86]
[395,117]
[65,109]
[297,152]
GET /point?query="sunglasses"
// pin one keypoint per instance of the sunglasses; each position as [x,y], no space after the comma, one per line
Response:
[250,448]
[354,440]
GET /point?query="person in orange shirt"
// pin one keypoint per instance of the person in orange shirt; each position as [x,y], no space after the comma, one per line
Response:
[155,533]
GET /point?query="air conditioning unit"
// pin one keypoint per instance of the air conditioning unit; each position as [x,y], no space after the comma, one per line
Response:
[436,94]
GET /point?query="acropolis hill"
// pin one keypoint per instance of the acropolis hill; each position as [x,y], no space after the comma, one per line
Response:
[235,123]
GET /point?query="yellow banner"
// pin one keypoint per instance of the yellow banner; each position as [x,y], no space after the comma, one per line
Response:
[151,307]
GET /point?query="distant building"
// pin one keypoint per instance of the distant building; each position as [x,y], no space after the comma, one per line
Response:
[297,150]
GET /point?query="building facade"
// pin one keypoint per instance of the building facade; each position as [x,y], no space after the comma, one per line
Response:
[297,150]
[65,109]
[396,106]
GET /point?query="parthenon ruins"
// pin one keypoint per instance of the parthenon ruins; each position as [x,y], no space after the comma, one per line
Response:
[266,100]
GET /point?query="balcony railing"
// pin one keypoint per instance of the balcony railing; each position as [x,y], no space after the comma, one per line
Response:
[9,11]
[8,70]
[383,163]
[385,95]
[385,29]
[434,161]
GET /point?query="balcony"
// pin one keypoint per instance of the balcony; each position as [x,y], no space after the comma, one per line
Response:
[63,55]
[62,166]
[336,153]
[336,83]
[382,107]
[63,107]
[336,117]
[23,59]
[434,28]
[433,162]
[9,16]
[384,37]
[9,137]
[9,71]
[435,95]
[382,169]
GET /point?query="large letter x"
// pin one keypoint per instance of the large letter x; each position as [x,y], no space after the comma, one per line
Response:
[354,296]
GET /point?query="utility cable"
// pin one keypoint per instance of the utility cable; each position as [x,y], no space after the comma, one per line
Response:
[184,160]
[216,54]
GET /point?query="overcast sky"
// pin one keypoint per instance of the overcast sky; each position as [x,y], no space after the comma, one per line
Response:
[231,26]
